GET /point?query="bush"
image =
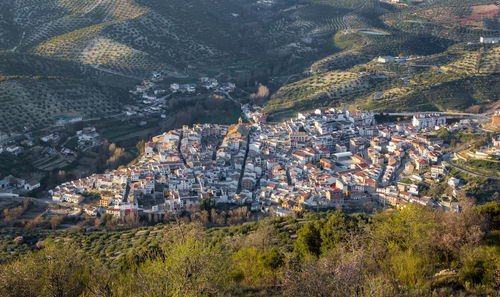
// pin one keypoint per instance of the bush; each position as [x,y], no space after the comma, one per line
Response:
[479,268]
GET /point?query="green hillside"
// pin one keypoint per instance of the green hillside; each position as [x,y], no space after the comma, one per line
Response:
[36,102]
[462,77]
[451,72]
[411,252]
[274,42]
[91,43]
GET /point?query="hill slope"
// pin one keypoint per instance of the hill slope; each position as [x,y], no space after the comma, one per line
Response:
[239,40]
[448,69]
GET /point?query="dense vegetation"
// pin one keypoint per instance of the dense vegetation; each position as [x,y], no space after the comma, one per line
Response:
[411,252]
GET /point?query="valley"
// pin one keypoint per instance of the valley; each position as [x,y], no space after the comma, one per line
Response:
[134,68]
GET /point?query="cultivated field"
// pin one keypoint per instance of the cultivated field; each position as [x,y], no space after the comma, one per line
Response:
[34,103]
[89,43]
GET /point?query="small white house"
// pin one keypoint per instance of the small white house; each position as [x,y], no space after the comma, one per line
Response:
[454,182]
[32,184]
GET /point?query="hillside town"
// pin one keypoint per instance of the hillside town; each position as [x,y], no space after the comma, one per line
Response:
[152,96]
[321,160]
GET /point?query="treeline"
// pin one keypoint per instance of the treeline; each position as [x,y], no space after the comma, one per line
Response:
[9,216]
[412,252]
[200,109]
[21,216]
[101,158]
[15,215]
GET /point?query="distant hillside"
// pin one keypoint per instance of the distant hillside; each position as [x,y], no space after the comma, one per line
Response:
[88,42]
[449,69]
[462,78]
[452,19]
[274,42]
[143,35]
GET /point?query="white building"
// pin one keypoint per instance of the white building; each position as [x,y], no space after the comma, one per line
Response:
[492,40]
[174,87]
[425,120]
[454,182]
[386,59]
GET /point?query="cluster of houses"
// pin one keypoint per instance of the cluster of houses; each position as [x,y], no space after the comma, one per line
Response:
[152,96]
[328,158]
[149,92]
[428,120]
[492,148]
[88,138]
[12,184]
[253,113]
[11,149]
[205,83]
[489,40]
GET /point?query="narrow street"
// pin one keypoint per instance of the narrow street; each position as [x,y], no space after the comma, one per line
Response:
[179,149]
[184,159]
[238,190]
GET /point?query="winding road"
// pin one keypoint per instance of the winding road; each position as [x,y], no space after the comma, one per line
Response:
[472,115]
[446,162]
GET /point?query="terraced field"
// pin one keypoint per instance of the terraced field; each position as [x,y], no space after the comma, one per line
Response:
[86,44]
[451,19]
[34,103]
[468,63]
[466,77]
[490,61]
[90,49]
[339,61]
[485,60]
[52,162]
[318,90]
